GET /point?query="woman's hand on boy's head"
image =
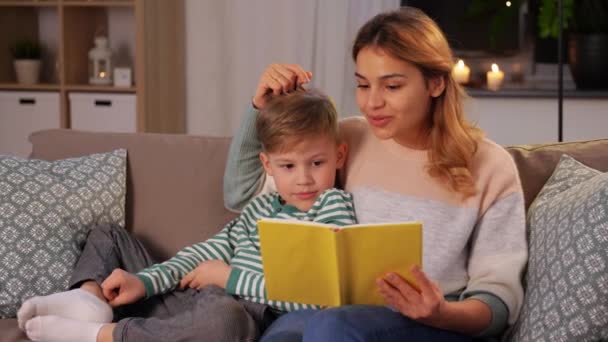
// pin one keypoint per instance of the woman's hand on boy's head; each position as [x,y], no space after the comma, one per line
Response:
[210,272]
[279,79]
[424,305]
[122,287]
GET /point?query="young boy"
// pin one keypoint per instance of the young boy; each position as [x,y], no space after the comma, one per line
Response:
[225,296]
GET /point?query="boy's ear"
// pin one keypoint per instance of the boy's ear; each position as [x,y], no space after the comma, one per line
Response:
[266,163]
[342,153]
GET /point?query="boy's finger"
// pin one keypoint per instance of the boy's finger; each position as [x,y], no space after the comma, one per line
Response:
[185,280]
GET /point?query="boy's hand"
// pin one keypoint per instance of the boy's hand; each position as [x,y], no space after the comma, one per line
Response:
[210,272]
[122,287]
[279,79]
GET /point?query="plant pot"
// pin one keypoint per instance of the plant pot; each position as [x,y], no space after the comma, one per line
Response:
[27,71]
[587,56]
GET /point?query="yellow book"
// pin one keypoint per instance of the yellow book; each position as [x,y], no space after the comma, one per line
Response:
[315,263]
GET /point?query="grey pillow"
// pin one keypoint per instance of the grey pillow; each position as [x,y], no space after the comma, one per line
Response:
[46,212]
[567,278]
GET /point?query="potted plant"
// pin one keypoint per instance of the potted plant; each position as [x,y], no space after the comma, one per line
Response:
[586,25]
[26,54]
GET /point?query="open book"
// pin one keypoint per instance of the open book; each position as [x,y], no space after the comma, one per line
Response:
[315,263]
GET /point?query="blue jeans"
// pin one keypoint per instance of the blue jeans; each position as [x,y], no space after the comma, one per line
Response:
[354,323]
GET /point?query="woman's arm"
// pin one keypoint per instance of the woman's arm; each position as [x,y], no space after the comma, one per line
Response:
[244,174]
[427,305]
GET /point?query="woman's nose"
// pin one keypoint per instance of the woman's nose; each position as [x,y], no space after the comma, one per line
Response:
[375,98]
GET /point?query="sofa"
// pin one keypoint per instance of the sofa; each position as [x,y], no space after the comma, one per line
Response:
[174,182]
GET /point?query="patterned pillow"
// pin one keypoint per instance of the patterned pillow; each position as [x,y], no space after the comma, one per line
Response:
[567,277]
[46,212]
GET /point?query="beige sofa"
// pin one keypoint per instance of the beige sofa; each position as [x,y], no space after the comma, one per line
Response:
[174,183]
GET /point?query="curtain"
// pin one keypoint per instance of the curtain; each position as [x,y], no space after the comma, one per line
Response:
[229,43]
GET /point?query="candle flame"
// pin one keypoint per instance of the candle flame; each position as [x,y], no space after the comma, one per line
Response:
[495,67]
[102,74]
[460,63]
[508,3]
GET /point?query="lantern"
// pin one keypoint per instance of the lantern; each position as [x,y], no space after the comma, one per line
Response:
[100,62]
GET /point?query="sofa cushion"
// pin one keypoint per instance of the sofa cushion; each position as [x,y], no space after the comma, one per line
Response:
[536,162]
[46,211]
[174,182]
[567,278]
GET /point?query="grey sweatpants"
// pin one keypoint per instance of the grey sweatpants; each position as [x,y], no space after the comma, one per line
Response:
[208,314]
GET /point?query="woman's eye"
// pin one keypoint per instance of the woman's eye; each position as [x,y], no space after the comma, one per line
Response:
[393,87]
[362,86]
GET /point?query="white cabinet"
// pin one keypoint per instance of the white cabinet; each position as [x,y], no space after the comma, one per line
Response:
[521,120]
[585,119]
[509,121]
[103,112]
[22,113]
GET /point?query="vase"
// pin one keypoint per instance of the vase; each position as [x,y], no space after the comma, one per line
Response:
[587,56]
[27,71]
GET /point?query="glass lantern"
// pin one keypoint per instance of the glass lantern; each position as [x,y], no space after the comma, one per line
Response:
[100,62]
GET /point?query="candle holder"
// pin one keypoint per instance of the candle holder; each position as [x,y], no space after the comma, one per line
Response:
[100,62]
[495,78]
[461,72]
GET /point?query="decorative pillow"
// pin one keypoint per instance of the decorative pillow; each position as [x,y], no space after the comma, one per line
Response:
[567,278]
[46,212]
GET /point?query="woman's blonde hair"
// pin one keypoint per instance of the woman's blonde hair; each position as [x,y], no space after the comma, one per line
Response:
[410,35]
[288,118]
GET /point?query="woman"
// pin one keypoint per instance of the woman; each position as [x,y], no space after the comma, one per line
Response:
[412,156]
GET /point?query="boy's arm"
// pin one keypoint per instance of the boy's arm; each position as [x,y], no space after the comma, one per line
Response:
[244,175]
[251,286]
[166,276]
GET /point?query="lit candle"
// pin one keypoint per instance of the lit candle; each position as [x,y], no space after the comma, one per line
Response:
[461,72]
[102,74]
[495,77]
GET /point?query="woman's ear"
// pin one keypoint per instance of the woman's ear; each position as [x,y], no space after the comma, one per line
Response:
[341,153]
[436,86]
[266,163]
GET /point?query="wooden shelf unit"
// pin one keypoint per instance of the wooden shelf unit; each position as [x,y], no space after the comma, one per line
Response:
[145,35]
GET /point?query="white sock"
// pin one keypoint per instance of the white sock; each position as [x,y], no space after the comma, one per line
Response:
[59,329]
[76,304]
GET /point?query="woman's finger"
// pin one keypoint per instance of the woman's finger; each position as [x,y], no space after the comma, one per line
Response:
[403,287]
[425,284]
[303,75]
[286,76]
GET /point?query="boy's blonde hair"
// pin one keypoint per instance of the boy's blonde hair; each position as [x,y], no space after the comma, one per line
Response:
[298,115]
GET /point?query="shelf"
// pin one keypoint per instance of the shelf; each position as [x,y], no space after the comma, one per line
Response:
[98,3]
[28,3]
[40,86]
[99,88]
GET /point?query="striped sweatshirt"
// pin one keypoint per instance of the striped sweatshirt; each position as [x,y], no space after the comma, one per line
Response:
[473,248]
[238,245]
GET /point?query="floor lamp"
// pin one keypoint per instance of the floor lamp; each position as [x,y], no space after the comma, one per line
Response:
[560,71]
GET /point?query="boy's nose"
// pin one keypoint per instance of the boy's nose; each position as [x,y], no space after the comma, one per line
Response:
[304,178]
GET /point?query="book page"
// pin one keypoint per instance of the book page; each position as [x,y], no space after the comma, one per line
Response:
[299,262]
[369,252]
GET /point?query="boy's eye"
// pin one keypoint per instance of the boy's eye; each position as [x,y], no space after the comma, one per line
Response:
[317,162]
[286,166]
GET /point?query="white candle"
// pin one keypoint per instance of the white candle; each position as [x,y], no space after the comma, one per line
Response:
[461,72]
[495,78]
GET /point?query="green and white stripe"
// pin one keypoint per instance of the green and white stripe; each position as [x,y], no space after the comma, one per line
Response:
[238,244]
